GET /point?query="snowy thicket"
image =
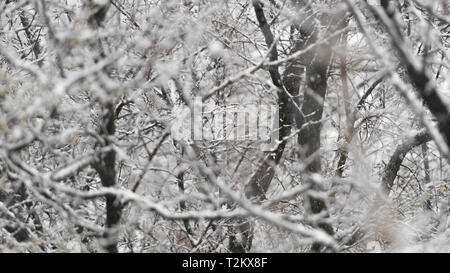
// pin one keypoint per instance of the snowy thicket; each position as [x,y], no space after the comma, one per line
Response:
[119,130]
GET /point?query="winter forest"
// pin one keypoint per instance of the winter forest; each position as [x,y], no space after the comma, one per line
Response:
[224,126]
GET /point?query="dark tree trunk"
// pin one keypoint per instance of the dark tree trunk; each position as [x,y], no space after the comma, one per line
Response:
[242,234]
[105,166]
[418,74]
[317,63]
[393,166]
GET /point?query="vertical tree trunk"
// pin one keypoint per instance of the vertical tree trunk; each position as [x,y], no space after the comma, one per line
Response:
[317,63]
[349,115]
[242,235]
[105,166]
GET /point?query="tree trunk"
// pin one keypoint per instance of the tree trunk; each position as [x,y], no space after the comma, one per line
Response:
[392,168]
[317,62]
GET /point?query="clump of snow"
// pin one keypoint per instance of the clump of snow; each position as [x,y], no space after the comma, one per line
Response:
[215,49]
